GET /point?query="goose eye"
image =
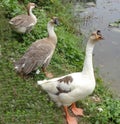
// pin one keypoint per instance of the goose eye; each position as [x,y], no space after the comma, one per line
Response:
[98,32]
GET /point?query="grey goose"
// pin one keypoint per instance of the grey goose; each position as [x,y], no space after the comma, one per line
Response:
[39,53]
[25,22]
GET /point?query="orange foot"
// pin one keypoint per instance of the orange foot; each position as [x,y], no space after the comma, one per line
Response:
[71,120]
[49,75]
[77,111]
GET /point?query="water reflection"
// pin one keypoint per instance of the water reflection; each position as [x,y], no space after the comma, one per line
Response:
[85,1]
[107,53]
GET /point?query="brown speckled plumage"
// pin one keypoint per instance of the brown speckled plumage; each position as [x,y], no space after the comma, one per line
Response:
[38,54]
[67,79]
[24,23]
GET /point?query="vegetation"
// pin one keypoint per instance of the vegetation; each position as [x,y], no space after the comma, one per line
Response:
[115,23]
[21,100]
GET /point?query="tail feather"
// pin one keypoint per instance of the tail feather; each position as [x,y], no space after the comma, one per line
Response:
[19,65]
[41,82]
[25,66]
[29,66]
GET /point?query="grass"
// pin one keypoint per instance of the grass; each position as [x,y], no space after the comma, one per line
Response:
[22,101]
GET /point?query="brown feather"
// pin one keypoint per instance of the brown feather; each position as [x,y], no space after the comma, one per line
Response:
[39,53]
[36,56]
[22,20]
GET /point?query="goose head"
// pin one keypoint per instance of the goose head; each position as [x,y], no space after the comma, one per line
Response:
[31,6]
[54,21]
[96,36]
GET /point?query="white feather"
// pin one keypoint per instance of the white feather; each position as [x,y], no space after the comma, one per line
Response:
[70,88]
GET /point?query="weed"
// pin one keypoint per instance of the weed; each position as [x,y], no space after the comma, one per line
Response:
[21,100]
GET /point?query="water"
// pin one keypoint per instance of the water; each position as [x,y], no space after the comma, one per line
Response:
[106,52]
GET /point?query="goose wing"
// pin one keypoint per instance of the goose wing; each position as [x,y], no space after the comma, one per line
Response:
[56,86]
[21,21]
[64,84]
[38,54]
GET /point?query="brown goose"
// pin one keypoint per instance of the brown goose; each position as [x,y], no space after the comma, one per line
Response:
[24,23]
[39,53]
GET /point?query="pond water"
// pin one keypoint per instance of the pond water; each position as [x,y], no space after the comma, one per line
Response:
[106,52]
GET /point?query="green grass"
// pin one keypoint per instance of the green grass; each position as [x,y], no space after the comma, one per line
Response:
[21,100]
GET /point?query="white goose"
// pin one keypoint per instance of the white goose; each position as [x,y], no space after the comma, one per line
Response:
[39,53]
[68,89]
[24,23]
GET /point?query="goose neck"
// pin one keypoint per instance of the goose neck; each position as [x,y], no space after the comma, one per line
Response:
[51,33]
[88,64]
[30,13]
